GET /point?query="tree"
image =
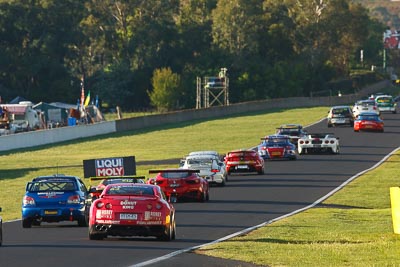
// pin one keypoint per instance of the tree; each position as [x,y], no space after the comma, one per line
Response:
[166,89]
[236,25]
[35,46]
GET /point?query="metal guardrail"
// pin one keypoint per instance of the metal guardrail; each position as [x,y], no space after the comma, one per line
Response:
[51,136]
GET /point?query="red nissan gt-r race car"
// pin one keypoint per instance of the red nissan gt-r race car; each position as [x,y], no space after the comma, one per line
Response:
[132,210]
[180,184]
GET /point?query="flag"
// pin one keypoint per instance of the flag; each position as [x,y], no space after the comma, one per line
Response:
[82,93]
[87,101]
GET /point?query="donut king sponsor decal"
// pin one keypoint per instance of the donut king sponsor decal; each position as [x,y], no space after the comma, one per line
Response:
[126,204]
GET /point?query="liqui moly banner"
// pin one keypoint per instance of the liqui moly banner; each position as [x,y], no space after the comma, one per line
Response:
[109,167]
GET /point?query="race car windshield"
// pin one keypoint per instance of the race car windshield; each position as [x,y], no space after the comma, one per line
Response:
[290,132]
[52,186]
[242,154]
[384,100]
[340,111]
[121,180]
[175,174]
[276,141]
[318,135]
[200,162]
[130,190]
[368,117]
[367,103]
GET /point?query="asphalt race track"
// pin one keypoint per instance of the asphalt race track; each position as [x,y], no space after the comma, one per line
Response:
[247,200]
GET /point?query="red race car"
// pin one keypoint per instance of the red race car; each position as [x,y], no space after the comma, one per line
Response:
[95,191]
[181,183]
[132,210]
[244,161]
[368,122]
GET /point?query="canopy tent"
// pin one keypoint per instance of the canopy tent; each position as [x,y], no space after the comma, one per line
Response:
[16,109]
[18,99]
[64,105]
[52,113]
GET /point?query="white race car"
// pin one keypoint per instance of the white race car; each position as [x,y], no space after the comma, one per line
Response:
[211,168]
[365,106]
[317,143]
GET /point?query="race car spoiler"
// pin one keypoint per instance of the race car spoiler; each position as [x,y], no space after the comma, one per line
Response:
[116,177]
[290,127]
[174,170]
[276,136]
[321,134]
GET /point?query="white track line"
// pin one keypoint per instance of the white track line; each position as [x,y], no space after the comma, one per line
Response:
[245,231]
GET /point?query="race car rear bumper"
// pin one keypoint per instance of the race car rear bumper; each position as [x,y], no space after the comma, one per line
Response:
[320,148]
[128,230]
[243,168]
[54,214]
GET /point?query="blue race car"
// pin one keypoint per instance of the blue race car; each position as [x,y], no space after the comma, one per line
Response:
[54,199]
[277,147]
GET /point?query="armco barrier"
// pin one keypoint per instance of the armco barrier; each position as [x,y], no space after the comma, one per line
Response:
[253,106]
[55,135]
[44,137]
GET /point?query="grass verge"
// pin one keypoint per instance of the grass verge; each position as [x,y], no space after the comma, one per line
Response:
[351,228]
[148,146]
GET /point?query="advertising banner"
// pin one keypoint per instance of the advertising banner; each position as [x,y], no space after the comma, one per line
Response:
[391,39]
[106,167]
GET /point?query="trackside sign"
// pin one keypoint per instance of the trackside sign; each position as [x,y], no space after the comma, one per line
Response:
[109,167]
